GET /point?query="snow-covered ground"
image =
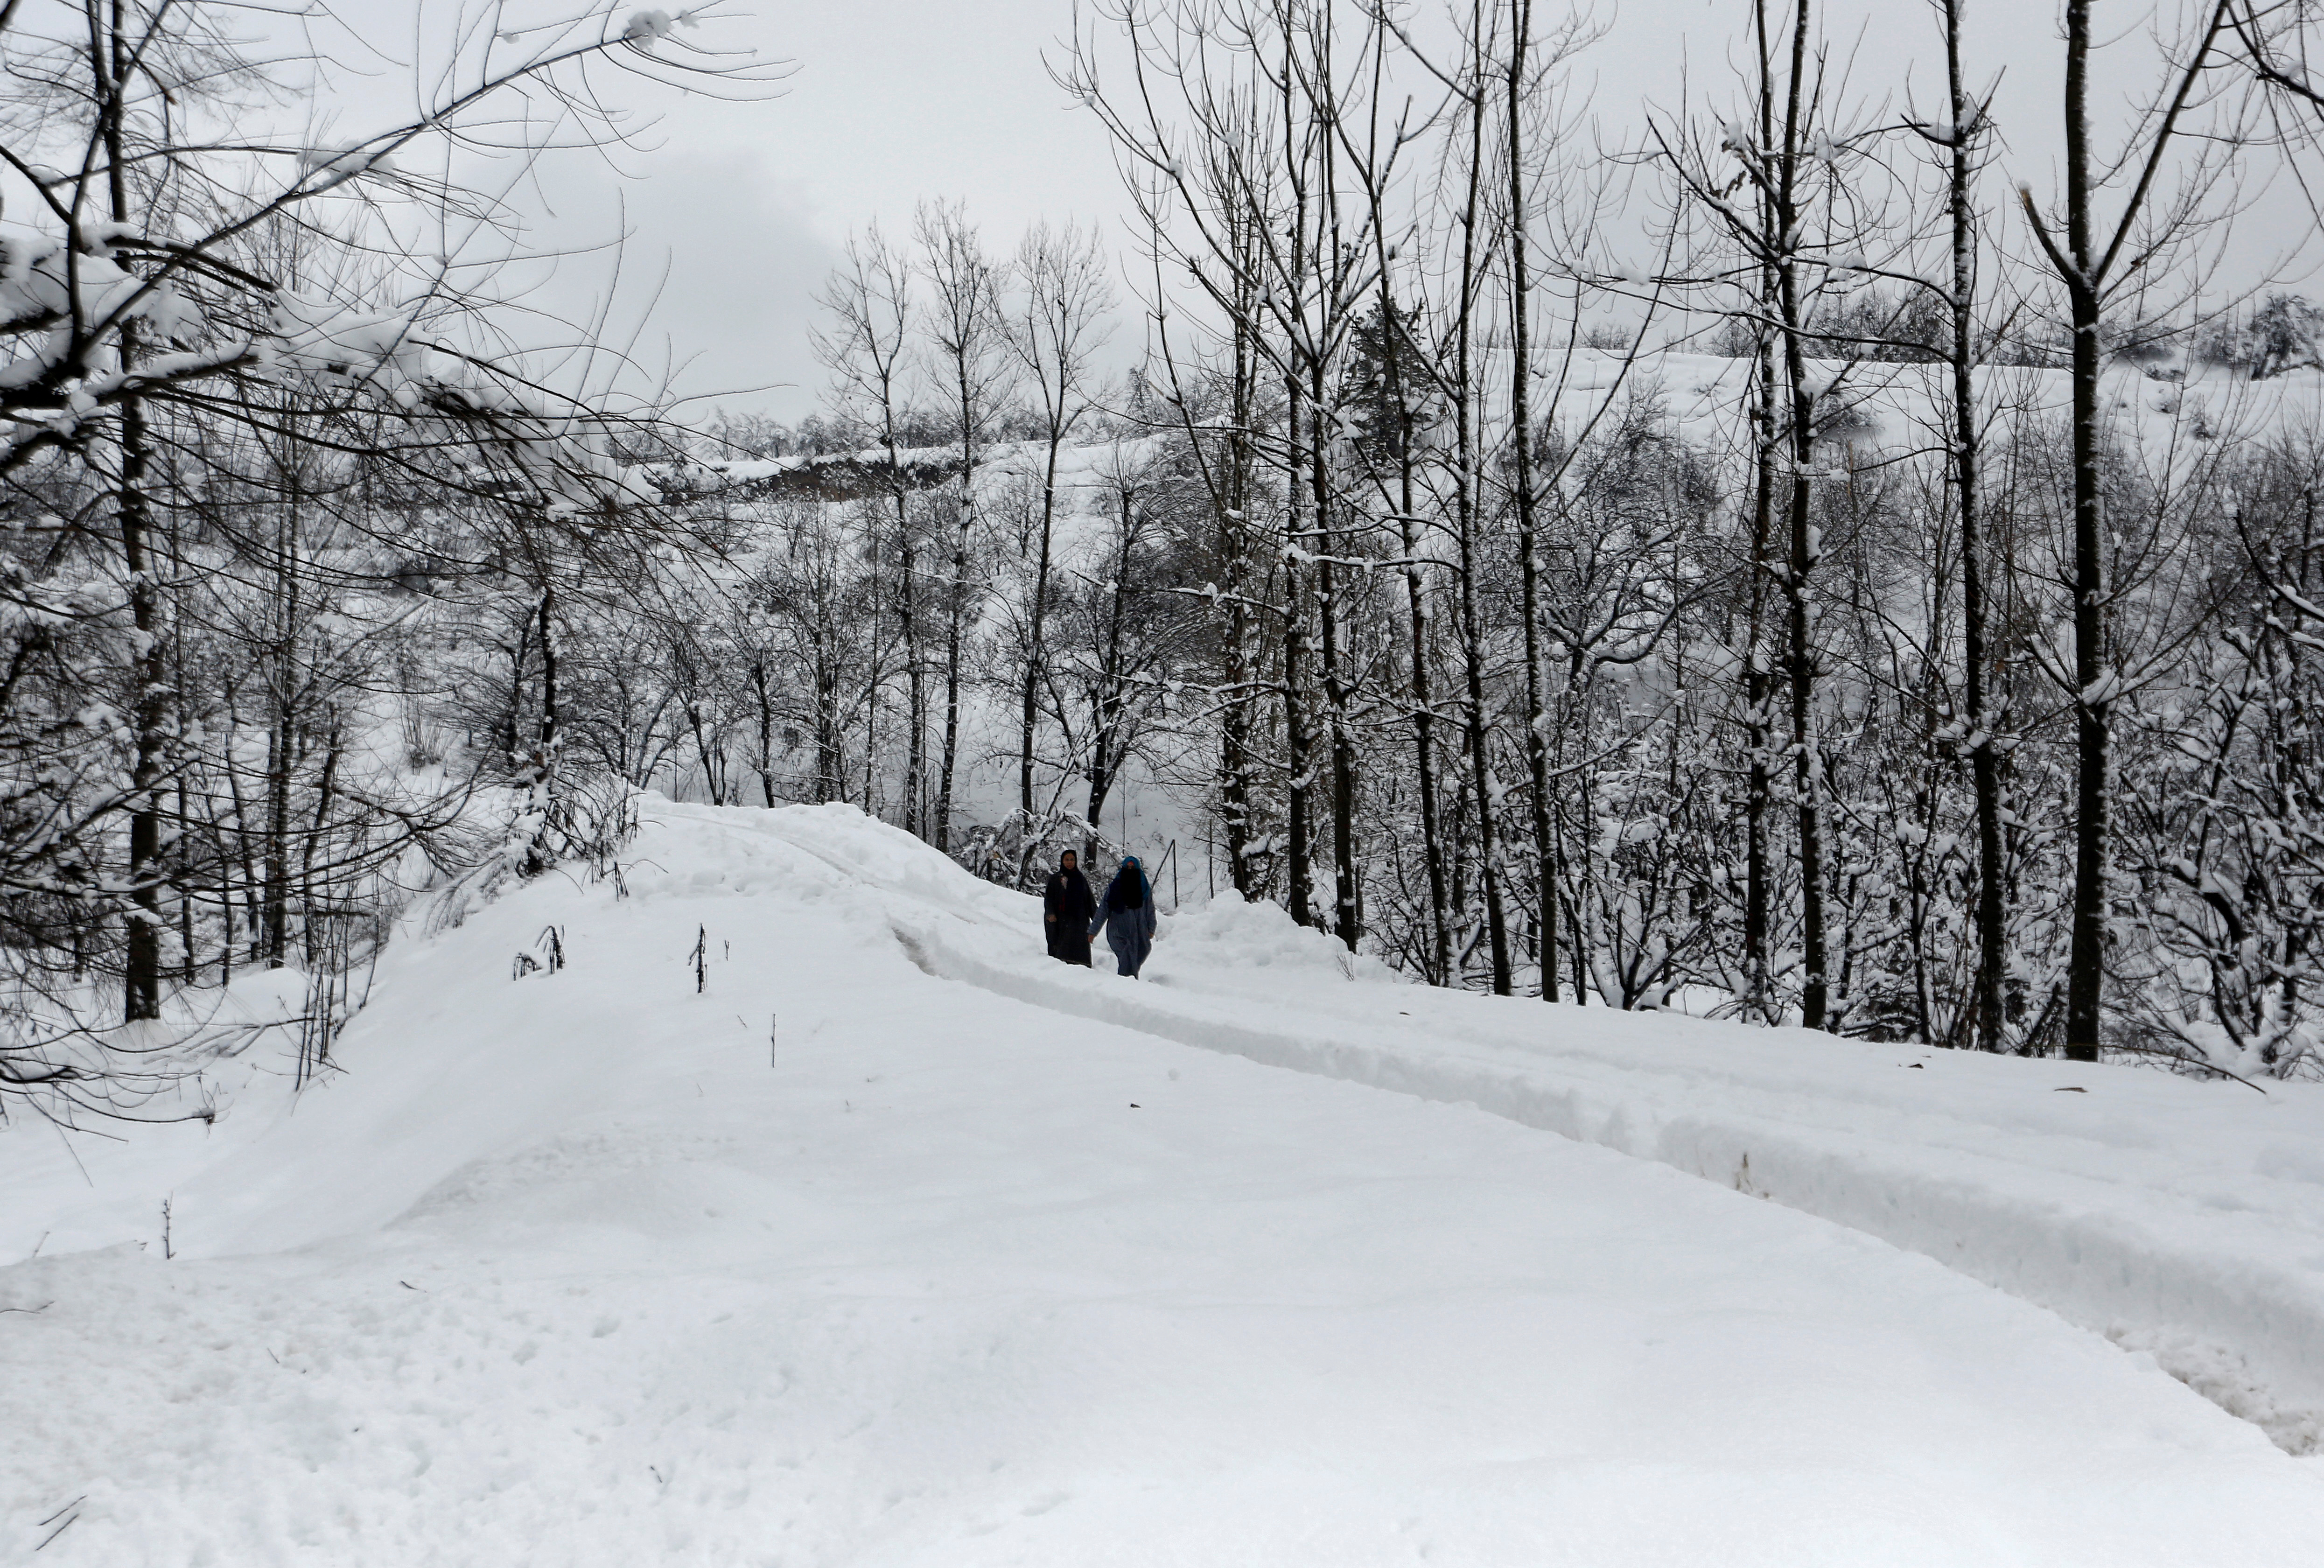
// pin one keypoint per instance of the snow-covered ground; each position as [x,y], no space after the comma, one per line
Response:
[2184,1219]
[980,1260]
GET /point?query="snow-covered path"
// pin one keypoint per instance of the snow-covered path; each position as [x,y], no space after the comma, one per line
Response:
[574,1269]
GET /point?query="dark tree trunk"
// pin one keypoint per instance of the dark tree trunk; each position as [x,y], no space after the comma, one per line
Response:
[764,697]
[1987,1001]
[1347,921]
[326,791]
[1800,661]
[1758,676]
[908,597]
[1424,717]
[1037,648]
[142,971]
[281,748]
[2083,267]
[1106,750]
[1472,641]
[111,64]
[1537,739]
[2093,711]
[1758,695]
[1296,742]
[1236,759]
[955,623]
[830,735]
[546,739]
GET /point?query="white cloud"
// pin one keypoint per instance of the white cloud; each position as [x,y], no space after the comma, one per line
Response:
[714,280]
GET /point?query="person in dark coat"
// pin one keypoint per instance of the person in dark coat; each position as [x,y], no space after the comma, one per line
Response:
[1067,907]
[1127,915]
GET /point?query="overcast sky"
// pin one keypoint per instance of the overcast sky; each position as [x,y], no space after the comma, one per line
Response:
[737,211]
[746,206]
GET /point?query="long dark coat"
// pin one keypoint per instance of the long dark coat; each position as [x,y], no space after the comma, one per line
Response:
[1067,905]
[1126,917]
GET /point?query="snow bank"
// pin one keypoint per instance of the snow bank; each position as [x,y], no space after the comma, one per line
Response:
[1256,947]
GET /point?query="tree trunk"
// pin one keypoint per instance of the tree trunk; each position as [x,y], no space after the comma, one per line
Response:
[1544,840]
[1758,693]
[2085,959]
[1347,921]
[550,739]
[1799,664]
[766,701]
[1036,651]
[916,702]
[325,790]
[142,971]
[1985,760]
[1758,683]
[956,619]
[274,919]
[546,739]
[1296,742]
[1236,760]
[282,683]
[1424,717]
[1472,641]
[148,673]
[830,735]
[1105,705]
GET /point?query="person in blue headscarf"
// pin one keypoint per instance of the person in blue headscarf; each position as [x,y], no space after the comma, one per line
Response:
[1126,916]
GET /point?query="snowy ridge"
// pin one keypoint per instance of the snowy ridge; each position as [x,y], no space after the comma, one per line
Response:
[2110,1196]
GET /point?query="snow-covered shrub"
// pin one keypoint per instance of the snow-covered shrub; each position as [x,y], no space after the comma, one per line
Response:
[2223,957]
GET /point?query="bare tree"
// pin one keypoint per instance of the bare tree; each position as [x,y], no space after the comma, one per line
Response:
[1060,321]
[867,348]
[1960,140]
[969,361]
[2096,265]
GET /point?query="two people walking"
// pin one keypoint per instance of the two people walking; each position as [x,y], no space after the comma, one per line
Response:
[1072,916]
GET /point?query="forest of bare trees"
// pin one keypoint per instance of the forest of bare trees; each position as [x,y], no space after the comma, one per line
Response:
[296,527]
[1793,563]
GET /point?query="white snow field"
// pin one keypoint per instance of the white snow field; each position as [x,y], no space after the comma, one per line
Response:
[986,1261]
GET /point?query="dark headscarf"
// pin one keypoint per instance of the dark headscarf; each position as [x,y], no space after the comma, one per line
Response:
[1129,888]
[1067,894]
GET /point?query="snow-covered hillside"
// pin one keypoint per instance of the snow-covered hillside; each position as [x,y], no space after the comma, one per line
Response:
[2155,410]
[898,1244]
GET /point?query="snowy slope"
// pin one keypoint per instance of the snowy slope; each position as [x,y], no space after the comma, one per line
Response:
[1898,407]
[577,1269]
